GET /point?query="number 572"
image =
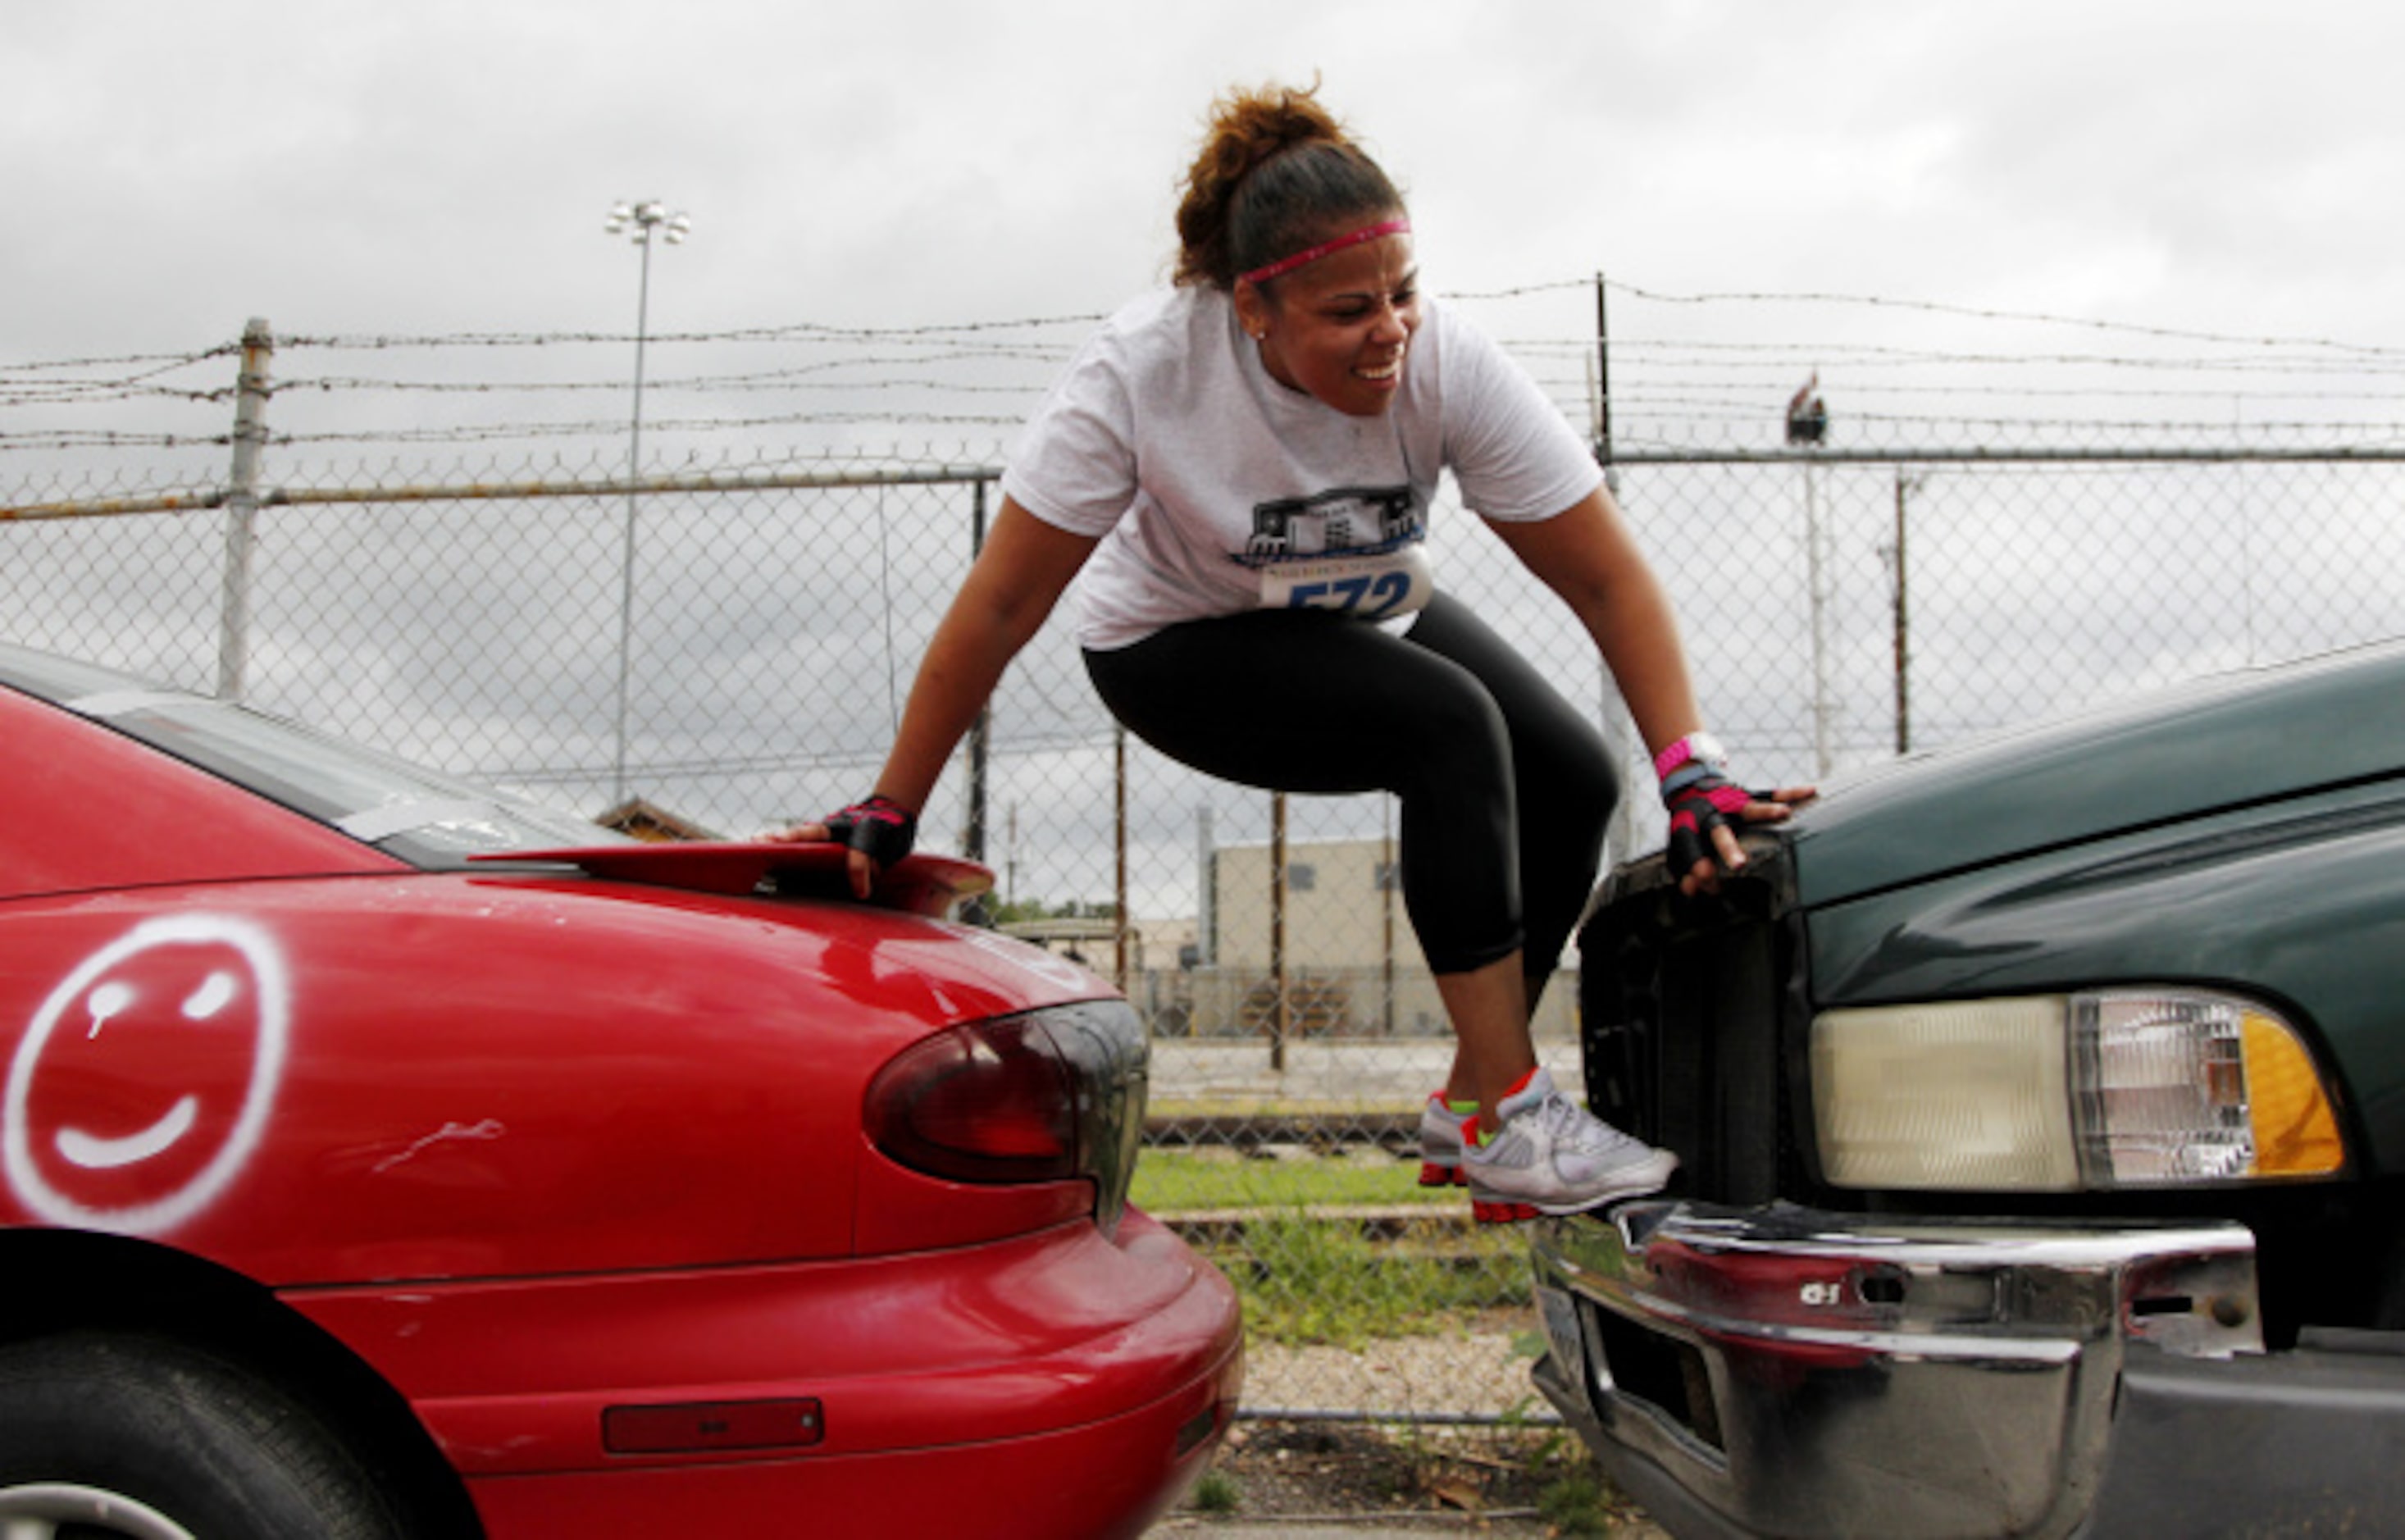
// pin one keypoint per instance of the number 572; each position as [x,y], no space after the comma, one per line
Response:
[1370,596]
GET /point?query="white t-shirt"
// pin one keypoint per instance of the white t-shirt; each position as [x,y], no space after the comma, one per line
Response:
[1215,489]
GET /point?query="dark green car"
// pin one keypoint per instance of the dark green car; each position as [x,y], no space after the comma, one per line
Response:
[2041,1107]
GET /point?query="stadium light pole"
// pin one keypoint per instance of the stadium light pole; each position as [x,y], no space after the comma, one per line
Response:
[637,222]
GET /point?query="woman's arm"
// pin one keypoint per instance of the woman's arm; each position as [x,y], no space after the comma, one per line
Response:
[1011,588]
[1587,556]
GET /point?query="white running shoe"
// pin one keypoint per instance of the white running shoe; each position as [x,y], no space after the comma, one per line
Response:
[1555,1157]
[1441,1143]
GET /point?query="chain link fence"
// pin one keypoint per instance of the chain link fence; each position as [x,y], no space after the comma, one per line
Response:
[722,644]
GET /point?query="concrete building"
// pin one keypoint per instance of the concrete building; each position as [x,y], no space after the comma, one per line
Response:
[1351,965]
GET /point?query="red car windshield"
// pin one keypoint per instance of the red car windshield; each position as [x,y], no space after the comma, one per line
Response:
[423,817]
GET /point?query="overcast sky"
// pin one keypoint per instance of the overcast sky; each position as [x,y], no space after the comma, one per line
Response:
[418,166]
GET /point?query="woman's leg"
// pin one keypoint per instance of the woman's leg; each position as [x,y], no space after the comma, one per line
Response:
[1492,1049]
[1565,788]
[1564,782]
[1319,703]
[1454,722]
[1302,701]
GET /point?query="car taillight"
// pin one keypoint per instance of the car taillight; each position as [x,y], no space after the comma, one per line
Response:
[1042,1096]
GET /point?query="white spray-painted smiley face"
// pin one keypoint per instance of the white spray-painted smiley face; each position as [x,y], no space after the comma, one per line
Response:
[143,1084]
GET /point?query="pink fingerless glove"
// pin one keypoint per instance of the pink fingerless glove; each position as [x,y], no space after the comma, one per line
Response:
[878,827]
[1696,789]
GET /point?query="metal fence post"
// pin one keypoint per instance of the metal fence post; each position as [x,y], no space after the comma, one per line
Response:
[981,731]
[1119,858]
[1278,1022]
[1816,579]
[241,508]
[1905,486]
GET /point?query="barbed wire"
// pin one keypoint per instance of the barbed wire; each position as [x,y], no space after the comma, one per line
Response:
[984,377]
[1750,394]
[780,380]
[159,363]
[491,433]
[1650,420]
[1789,356]
[1987,314]
[83,397]
[817,330]
[108,438]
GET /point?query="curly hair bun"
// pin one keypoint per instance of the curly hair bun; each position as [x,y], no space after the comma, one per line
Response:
[1276,173]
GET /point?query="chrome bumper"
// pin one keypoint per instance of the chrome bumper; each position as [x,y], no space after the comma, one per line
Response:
[1783,1371]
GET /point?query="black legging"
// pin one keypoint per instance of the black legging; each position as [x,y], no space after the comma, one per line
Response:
[1505,787]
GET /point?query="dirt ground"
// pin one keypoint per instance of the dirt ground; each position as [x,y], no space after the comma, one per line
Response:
[1481,1369]
[1308,1477]
[1360,1480]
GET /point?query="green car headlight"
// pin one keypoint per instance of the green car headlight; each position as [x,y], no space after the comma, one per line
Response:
[2062,1092]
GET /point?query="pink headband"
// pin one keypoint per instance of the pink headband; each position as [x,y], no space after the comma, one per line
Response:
[1326,248]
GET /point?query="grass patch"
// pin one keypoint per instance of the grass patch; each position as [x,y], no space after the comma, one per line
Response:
[1175,1182]
[1307,1275]
[1305,1280]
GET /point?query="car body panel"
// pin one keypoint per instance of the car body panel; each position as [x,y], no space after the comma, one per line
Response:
[1107,1481]
[443,1107]
[1000,1341]
[2224,742]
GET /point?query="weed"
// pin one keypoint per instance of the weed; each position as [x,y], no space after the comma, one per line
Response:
[1216,1494]
[1578,1503]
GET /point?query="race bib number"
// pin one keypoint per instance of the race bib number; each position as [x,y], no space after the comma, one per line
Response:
[1367,588]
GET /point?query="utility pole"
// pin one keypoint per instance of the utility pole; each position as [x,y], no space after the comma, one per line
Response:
[636,222]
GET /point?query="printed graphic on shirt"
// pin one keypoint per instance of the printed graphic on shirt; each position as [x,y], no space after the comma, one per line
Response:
[1359,550]
[1349,520]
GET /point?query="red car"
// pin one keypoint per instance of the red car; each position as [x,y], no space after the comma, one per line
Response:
[384,1158]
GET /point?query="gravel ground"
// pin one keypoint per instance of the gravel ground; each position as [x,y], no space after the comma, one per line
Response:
[1296,1480]
[1476,1371]
[1350,1479]
[1326,1480]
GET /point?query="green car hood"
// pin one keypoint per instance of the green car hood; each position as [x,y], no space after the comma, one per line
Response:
[2218,743]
